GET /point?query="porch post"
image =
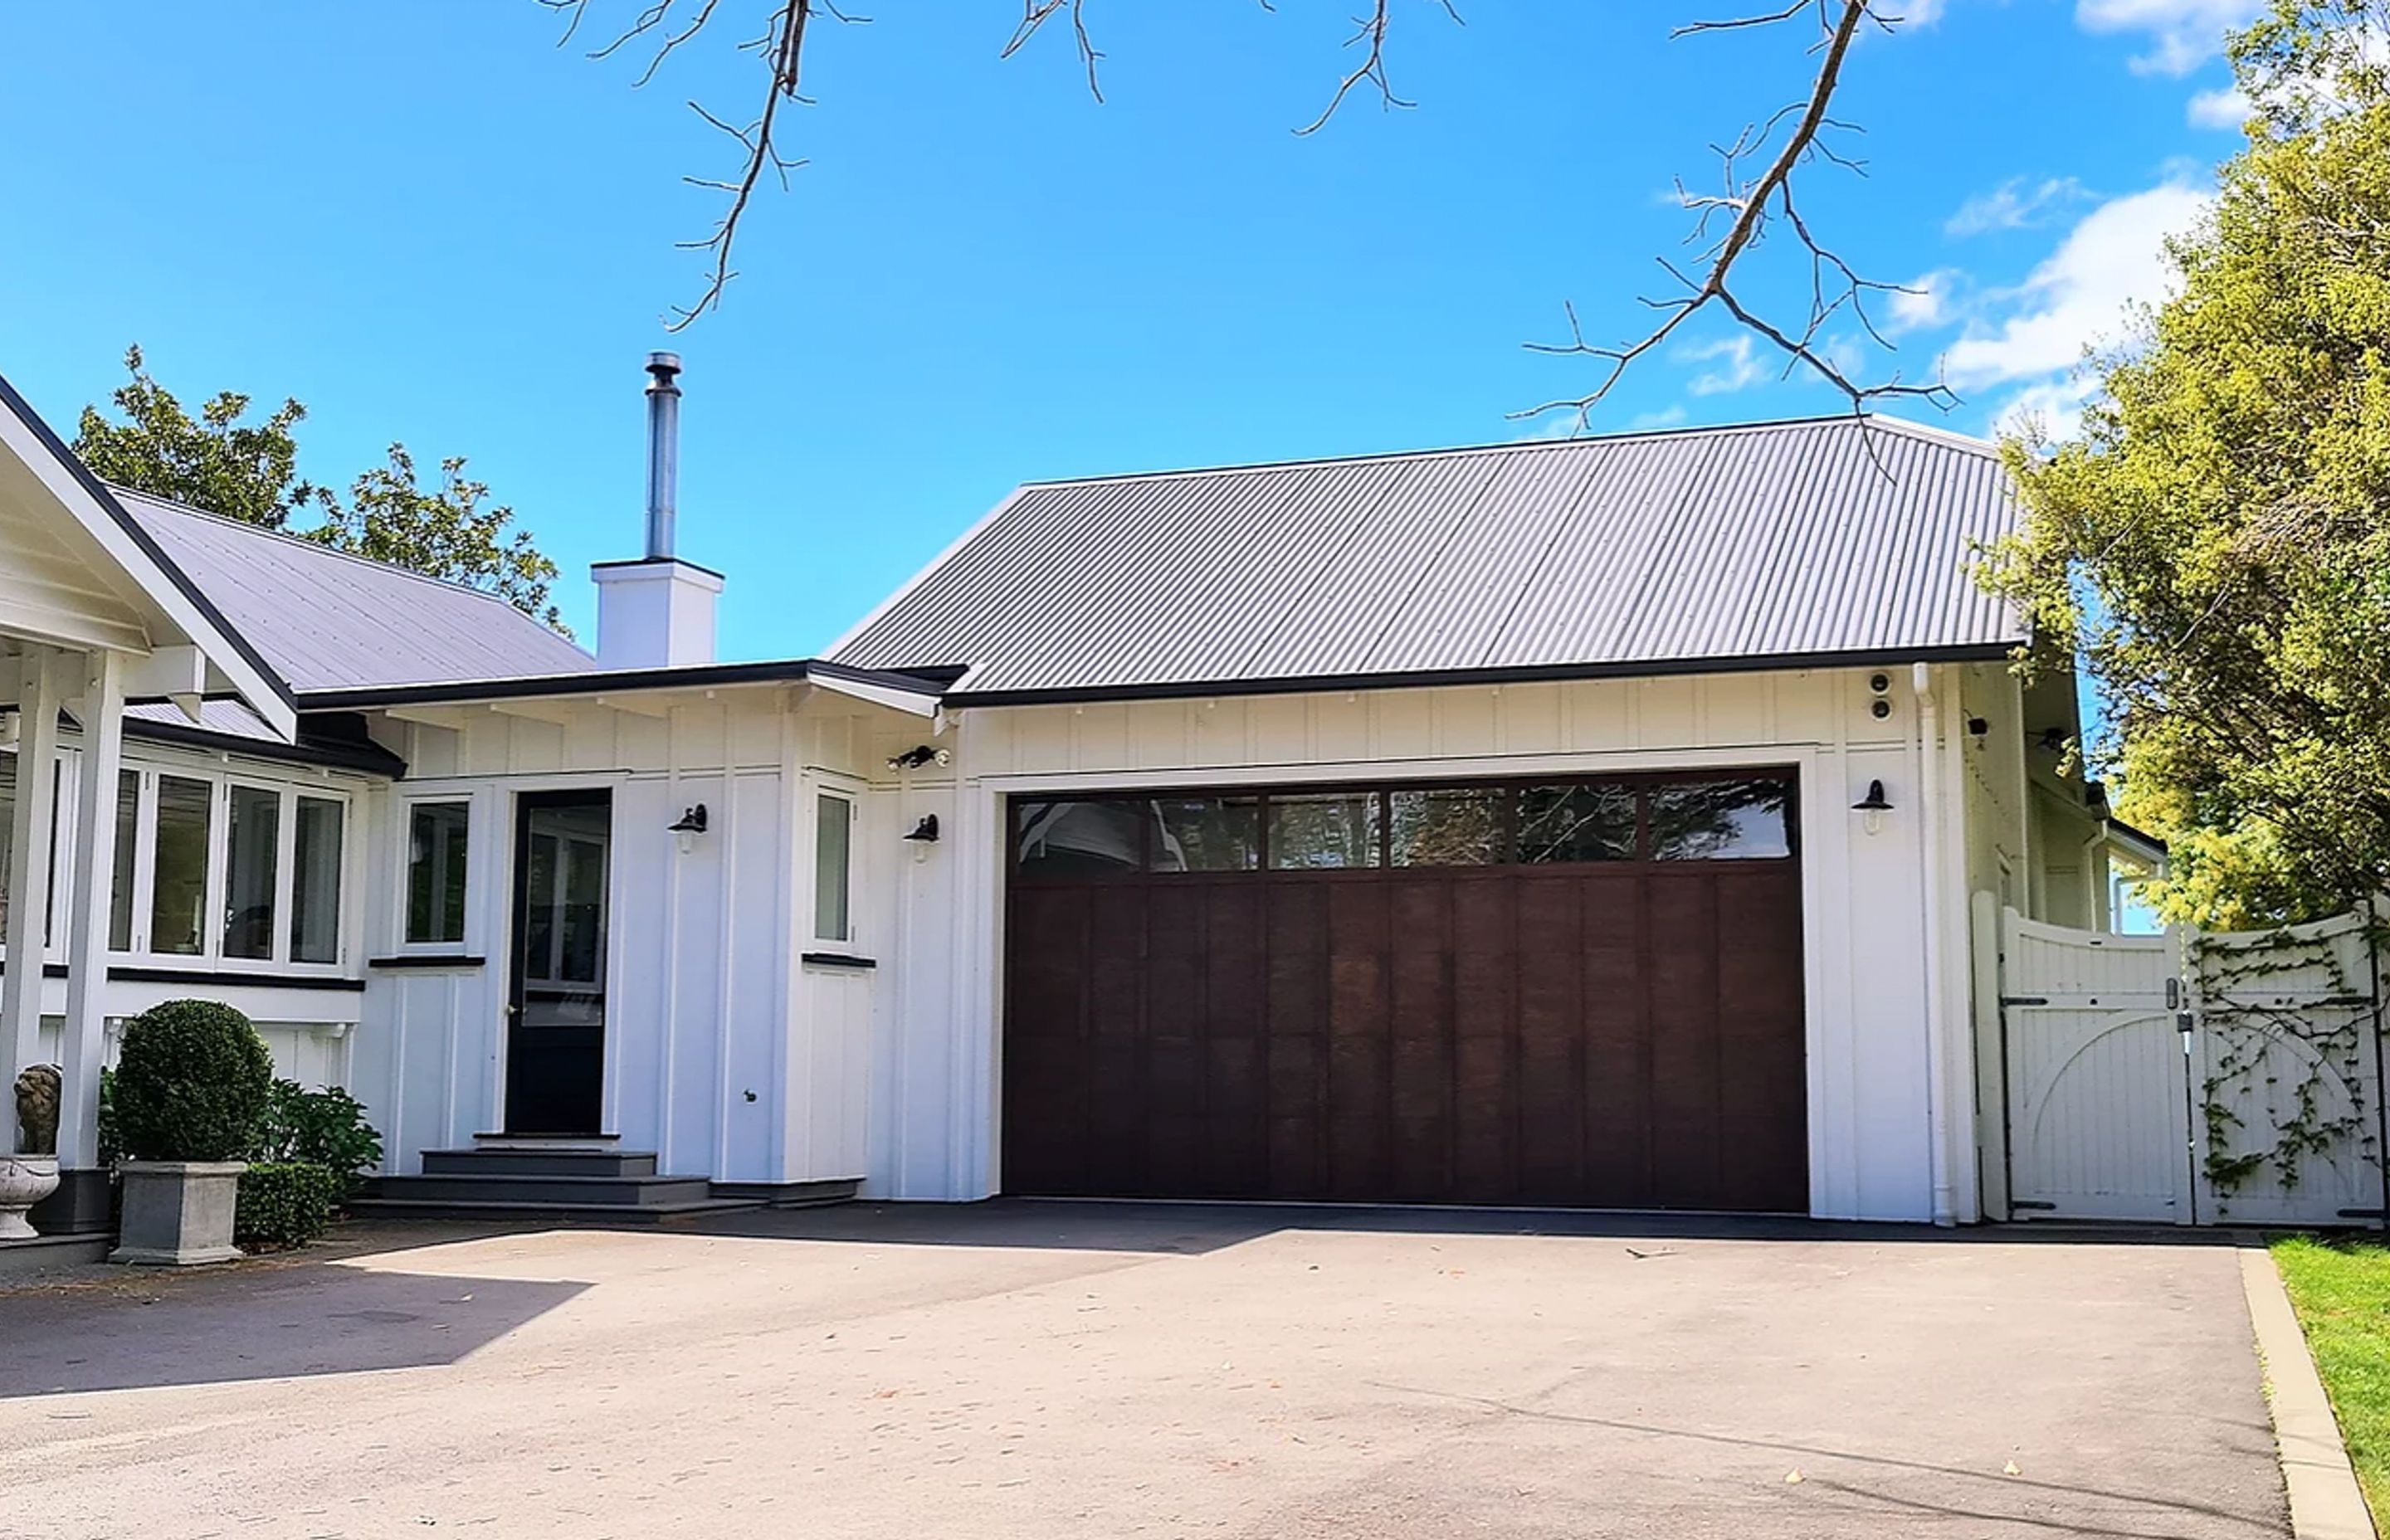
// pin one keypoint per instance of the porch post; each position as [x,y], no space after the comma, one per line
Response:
[29,861]
[93,889]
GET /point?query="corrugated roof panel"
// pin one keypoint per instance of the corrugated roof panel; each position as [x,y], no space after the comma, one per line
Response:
[326,619]
[1835,536]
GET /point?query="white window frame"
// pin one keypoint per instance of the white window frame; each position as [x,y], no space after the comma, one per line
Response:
[477,861]
[823,792]
[211,955]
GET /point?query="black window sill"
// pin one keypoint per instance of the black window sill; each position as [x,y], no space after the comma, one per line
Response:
[838,960]
[428,959]
[214,979]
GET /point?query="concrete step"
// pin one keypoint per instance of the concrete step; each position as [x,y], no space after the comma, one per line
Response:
[593,1213]
[478,1186]
[503,1161]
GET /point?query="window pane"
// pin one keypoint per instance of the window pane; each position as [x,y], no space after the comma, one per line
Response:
[1207,834]
[1323,832]
[541,855]
[1722,820]
[1447,829]
[252,846]
[584,909]
[437,837]
[315,882]
[178,876]
[1576,822]
[128,824]
[833,829]
[1067,839]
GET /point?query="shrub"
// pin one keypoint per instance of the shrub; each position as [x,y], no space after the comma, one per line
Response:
[283,1203]
[325,1128]
[190,1083]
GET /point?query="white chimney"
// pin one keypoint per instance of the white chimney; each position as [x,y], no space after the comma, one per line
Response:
[657,612]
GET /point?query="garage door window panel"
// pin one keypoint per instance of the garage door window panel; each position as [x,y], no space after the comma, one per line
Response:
[1744,819]
[1460,828]
[1080,841]
[1332,831]
[1567,823]
[1207,834]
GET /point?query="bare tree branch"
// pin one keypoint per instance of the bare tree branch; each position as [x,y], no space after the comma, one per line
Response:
[1750,203]
[1032,16]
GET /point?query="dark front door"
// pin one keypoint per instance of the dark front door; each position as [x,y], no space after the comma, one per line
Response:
[1579,993]
[556,1040]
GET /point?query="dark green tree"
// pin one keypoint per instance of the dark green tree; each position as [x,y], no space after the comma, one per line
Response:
[249,470]
[2216,542]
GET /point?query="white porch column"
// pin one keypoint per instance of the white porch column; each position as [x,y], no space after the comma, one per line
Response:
[29,857]
[92,886]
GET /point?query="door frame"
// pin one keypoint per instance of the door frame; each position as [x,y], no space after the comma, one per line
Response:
[520,805]
[983,833]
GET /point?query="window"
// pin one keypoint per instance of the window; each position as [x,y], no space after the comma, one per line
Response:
[833,836]
[1576,822]
[8,836]
[1207,834]
[178,895]
[252,846]
[437,837]
[128,828]
[1448,828]
[315,881]
[1062,841]
[1323,831]
[1720,820]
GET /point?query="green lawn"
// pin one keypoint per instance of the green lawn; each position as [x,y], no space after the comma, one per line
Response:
[2342,1294]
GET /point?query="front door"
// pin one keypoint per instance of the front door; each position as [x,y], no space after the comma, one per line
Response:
[556,1039]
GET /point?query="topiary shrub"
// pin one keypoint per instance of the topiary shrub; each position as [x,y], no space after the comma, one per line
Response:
[283,1203]
[191,1082]
[325,1128]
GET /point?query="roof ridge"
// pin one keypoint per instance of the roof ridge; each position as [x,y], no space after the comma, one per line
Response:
[245,527]
[1875,419]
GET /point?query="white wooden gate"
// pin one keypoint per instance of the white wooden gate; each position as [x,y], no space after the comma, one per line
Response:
[2194,1078]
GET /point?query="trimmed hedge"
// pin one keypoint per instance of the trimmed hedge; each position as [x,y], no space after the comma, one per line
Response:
[283,1203]
[191,1082]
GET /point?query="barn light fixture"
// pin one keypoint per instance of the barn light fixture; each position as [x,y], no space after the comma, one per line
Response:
[1874,806]
[692,824]
[926,831]
[1979,729]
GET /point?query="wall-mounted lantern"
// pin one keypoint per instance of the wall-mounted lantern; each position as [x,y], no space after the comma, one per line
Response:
[690,825]
[926,831]
[1874,806]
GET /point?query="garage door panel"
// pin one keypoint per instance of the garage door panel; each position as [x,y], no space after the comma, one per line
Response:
[1592,1031]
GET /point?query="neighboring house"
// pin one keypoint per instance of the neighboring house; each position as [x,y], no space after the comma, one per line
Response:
[1588,824]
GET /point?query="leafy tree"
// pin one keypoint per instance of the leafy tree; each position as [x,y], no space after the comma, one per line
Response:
[244,472]
[248,472]
[2217,539]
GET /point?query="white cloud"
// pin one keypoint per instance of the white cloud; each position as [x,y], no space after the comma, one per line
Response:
[2223,108]
[1928,300]
[1916,13]
[2080,296]
[2183,34]
[2013,205]
[1668,416]
[1738,365]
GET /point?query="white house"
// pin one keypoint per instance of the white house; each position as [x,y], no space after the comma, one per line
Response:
[1589,823]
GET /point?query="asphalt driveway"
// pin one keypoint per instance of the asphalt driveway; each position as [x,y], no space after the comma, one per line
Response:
[1035,1369]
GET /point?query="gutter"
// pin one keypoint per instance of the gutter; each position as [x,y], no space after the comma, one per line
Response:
[1930,815]
[619,682]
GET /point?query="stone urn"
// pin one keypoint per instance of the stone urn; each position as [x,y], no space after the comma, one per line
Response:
[25,1180]
[32,1173]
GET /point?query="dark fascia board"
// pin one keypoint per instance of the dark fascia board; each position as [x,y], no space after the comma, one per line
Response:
[1982,652]
[141,538]
[370,758]
[610,682]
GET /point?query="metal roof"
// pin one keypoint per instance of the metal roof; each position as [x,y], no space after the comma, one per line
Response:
[1771,544]
[326,619]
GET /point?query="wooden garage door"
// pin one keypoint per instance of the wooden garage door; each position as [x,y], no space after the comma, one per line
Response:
[1576,993]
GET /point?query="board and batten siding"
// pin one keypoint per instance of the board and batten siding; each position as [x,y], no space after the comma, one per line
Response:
[723,1054]
[1870,1067]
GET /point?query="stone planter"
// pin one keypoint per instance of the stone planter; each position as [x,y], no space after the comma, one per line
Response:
[177,1213]
[25,1180]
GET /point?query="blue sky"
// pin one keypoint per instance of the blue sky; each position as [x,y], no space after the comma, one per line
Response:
[444,229]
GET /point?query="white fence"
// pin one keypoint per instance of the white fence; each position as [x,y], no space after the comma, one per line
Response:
[2194,1078]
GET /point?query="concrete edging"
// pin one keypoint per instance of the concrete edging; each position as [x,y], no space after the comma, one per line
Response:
[2326,1503]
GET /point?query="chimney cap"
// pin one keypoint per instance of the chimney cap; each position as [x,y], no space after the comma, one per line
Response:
[663,366]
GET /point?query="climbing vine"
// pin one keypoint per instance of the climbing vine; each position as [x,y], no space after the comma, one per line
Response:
[2257,1037]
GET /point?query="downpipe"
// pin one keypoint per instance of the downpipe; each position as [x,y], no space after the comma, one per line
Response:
[1931,813]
